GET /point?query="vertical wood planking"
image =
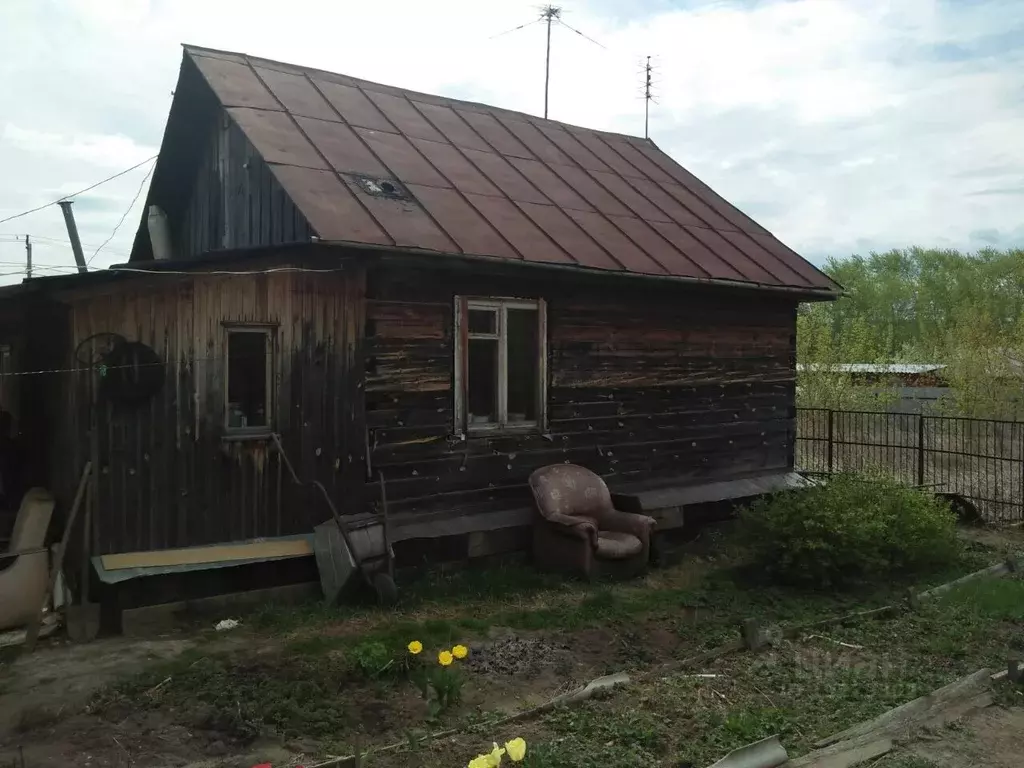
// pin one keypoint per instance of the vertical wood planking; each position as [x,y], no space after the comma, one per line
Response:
[165,478]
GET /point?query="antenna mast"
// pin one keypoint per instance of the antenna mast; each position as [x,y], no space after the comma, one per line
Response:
[548,14]
[647,98]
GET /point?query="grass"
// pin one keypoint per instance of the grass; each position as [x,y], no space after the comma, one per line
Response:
[315,672]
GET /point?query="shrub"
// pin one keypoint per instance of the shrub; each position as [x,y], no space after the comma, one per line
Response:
[372,658]
[849,529]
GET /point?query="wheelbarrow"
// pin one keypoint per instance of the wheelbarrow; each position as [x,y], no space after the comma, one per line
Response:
[344,546]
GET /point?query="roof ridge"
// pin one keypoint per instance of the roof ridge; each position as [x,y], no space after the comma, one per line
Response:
[198,50]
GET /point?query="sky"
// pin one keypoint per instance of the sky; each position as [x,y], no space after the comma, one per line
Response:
[843,126]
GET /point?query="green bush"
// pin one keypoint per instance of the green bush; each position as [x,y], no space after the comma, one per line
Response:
[372,658]
[850,529]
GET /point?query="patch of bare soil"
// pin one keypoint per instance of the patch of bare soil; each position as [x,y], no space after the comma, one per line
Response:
[992,738]
[1007,540]
[43,698]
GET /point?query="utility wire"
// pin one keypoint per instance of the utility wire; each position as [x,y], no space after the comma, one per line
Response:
[123,216]
[79,192]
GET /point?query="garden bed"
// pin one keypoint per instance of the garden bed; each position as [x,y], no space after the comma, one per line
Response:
[306,684]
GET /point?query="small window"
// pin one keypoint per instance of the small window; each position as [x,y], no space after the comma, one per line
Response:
[500,370]
[249,373]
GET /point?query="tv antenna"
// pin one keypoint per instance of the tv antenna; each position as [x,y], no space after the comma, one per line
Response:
[549,14]
[648,96]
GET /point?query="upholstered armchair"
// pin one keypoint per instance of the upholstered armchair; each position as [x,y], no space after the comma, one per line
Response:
[578,529]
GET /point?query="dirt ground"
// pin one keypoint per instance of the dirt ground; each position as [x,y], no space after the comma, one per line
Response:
[992,738]
[44,699]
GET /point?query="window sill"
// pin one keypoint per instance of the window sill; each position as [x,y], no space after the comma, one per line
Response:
[509,429]
[240,435]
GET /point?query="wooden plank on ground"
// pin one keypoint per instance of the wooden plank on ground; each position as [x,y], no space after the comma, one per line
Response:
[158,558]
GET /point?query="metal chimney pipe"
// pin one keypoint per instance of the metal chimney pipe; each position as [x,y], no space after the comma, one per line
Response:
[76,244]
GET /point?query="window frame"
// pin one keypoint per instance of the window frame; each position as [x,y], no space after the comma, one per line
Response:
[500,305]
[269,333]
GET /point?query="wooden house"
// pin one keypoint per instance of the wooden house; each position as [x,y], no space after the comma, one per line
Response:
[439,295]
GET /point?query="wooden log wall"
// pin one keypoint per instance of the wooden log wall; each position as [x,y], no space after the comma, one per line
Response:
[646,384]
[166,476]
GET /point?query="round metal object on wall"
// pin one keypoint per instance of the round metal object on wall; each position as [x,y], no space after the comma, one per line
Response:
[130,373]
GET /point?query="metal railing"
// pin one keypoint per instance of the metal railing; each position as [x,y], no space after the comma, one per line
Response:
[980,459]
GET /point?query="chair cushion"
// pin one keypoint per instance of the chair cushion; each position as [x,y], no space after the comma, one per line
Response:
[612,545]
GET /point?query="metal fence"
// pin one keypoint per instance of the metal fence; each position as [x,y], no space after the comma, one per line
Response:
[980,459]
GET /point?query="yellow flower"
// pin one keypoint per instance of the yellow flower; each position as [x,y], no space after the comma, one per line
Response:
[445,658]
[495,755]
[460,651]
[516,749]
[415,647]
[481,761]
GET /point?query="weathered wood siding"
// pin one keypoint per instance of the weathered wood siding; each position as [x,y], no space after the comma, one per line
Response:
[166,477]
[235,201]
[645,383]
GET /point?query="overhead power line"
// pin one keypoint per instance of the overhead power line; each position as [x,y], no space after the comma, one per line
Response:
[123,216]
[79,192]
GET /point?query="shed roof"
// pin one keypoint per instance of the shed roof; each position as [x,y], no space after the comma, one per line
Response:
[373,165]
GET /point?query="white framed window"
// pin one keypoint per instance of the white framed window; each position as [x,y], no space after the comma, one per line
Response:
[249,374]
[500,364]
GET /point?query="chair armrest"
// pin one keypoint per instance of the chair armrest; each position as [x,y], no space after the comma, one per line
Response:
[582,528]
[628,522]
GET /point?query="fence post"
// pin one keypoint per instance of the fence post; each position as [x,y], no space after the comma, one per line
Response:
[829,451]
[920,449]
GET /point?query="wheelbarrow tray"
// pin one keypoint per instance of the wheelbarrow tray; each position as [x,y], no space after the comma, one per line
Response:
[337,564]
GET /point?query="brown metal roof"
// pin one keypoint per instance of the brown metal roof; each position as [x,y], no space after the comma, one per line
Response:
[474,180]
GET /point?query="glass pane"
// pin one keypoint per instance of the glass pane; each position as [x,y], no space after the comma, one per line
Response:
[483,382]
[483,321]
[523,365]
[247,379]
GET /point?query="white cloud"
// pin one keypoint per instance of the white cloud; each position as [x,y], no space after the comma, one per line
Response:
[839,124]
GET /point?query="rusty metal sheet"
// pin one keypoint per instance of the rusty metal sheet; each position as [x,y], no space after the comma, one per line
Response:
[788,256]
[353,105]
[455,167]
[761,255]
[715,266]
[549,184]
[568,144]
[331,209]
[666,203]
[624,250]
[342,148]
[510,181]
[520,231]
[599,197]
[405,221]
[474,234]
[404,160]
[636,202]
[567,233]
[276,137]
[540,145]
[644,164]
[698,207]
[662,250]
[297,94]
[454,128]
[717,244]
[494,133]
[606,154]
[404,117]
[235,84]
[488,181]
